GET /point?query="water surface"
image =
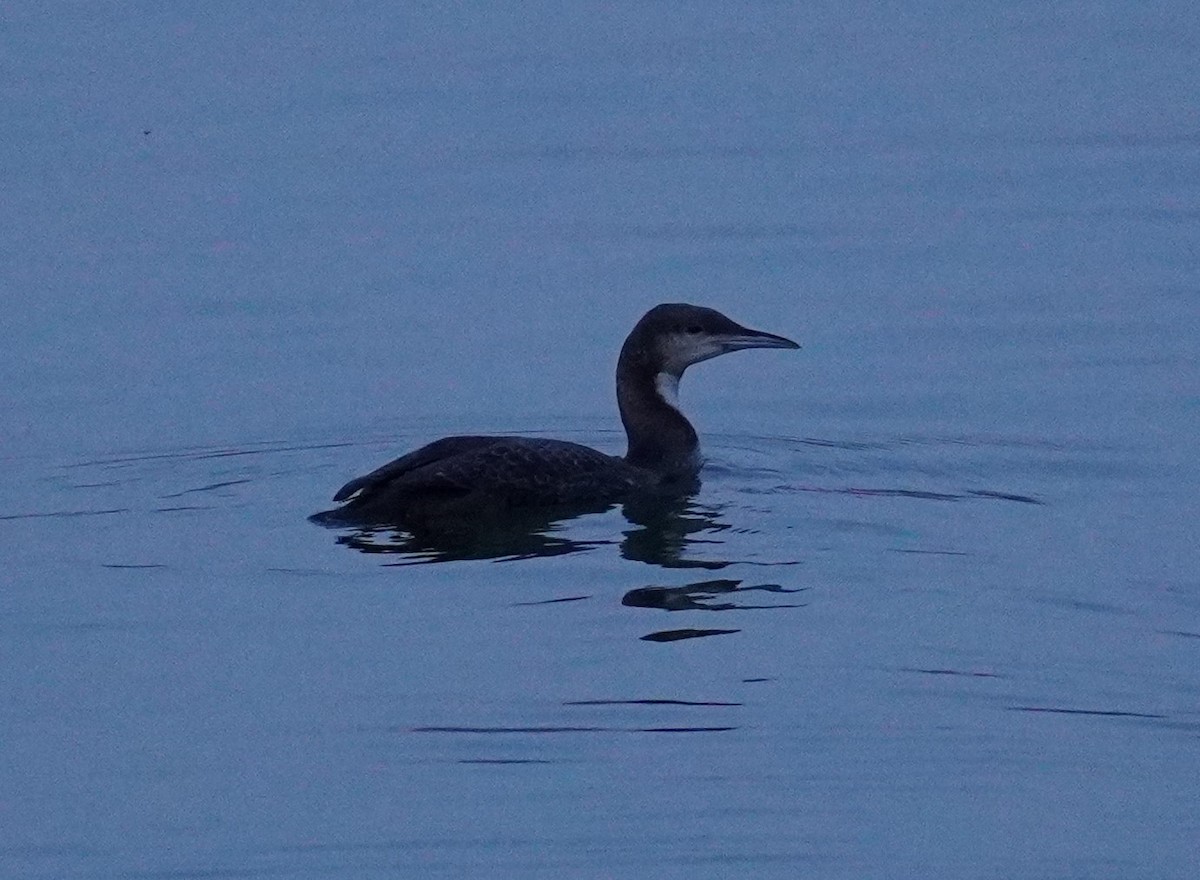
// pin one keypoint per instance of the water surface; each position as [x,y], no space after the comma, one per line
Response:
[934,611]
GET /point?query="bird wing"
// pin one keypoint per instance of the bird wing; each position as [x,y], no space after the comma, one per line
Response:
[531,471]
[438,450]
[520,469]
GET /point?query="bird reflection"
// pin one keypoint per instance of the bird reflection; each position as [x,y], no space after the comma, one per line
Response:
[661,531]
[702,596]
[521,535]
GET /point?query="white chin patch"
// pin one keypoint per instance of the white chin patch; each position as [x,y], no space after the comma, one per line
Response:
[668,389]
[679,352]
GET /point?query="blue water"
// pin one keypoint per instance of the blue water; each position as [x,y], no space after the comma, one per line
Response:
[935,611]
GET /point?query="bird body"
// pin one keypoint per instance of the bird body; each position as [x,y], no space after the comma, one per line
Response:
[465,475]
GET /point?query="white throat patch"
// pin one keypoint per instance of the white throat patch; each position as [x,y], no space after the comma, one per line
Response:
[668,389]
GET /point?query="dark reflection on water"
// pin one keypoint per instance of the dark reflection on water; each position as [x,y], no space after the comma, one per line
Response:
[570,729]
[968,673]
[211,487]
[1103,713]
[62,514]
[512,540]
[1179,632]
[557,601]
[678,635]
[700,595]
[921,494]
[662,529]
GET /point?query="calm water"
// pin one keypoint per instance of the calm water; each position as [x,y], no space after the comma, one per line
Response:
[934,613]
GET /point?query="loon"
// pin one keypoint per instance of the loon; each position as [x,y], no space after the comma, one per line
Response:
[465,475]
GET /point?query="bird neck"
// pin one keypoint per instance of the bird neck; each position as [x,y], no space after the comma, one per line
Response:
[660,437]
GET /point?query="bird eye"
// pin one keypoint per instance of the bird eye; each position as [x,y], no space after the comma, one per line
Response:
[695,329]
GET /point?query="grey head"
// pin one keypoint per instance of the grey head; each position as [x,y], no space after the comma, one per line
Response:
[673,336]
[666,341]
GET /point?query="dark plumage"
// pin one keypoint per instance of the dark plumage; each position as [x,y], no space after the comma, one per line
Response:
[463,476]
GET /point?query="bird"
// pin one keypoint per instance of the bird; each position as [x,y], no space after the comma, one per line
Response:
[465,476]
